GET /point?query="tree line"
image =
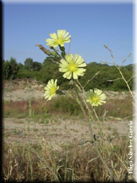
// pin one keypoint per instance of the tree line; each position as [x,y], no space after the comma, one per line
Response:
[97,75]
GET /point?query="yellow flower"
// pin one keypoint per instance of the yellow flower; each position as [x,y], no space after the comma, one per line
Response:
[58,39]
[51,89]
[96,97]
[71,66]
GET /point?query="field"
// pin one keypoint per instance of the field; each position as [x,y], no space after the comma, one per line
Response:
[50,141]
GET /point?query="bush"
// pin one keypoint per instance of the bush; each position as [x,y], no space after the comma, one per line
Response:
[64,104]
[23,73]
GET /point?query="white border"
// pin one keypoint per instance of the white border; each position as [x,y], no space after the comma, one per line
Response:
[135,109]
[68,1]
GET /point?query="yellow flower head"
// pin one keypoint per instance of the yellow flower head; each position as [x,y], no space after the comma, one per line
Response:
[96,97]
[71,66]
[50,89]
[58,39]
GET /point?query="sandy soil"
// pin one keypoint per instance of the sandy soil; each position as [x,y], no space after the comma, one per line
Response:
[25,89]
[57,131]
[23,94]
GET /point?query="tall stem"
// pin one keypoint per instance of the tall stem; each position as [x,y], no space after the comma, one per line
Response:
[91,131]
[80,103]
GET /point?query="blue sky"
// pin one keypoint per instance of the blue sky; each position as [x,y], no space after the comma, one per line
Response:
[90,25]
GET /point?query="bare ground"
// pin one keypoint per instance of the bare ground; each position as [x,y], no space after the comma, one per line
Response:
[57,131]
[26,89]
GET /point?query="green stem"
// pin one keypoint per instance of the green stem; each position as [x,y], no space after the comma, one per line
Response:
[80,103]
[92,134]
[57,52]
[99,153]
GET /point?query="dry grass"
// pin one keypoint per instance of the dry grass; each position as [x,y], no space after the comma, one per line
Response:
[40,161]
[74,163]
[117,108]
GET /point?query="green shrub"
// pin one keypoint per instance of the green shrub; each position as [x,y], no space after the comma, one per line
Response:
[24,73]
[63,104]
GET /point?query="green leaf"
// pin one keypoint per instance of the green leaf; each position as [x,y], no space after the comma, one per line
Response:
[62,48]
[63,54]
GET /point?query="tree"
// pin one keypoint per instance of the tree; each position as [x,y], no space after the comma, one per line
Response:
[20,65]
[14,68]
[29,63]
[6,70]
[37,66]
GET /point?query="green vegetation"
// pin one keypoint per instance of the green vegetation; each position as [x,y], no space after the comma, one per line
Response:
[108,77]
[63,105]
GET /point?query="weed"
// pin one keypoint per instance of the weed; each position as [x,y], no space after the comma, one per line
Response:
[42,163]
[16,132]
[64,106]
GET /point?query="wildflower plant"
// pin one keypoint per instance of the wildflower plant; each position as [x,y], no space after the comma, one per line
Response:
[50,89]
[58,39]
[96,97]
[73,67]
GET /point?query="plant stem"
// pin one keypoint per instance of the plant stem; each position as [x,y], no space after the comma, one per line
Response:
[80,103]
[99,153]
[92,134]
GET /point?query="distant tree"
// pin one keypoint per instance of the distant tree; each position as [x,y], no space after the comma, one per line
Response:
[119,85]
[6,70]
[130,67]
[25,73]
[51,60]
[37,66]
[14,68]
[10,69]
[29,63]
[106,79]
[21,65]
[47,60]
